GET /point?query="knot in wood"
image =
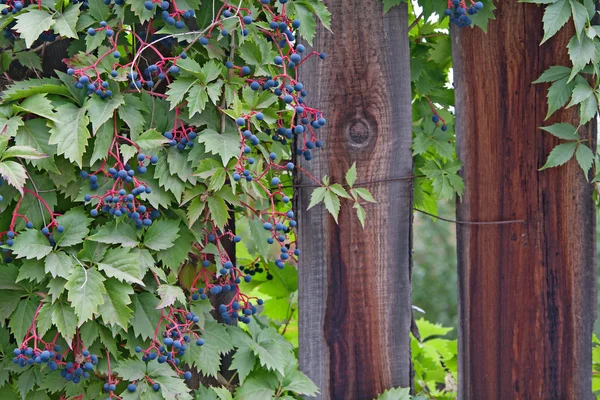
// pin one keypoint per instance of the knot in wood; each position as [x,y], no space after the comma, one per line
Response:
[358,132]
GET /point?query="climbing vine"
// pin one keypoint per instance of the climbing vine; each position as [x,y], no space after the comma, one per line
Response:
[124,173]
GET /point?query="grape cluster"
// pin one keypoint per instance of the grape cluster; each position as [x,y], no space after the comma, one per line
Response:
[459,13]
[12,6]
[171,18]
[180,332]
[118,201]
[181,137]
[72,371]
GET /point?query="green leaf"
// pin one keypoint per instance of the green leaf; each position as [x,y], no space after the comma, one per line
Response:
[254,389]
[101,110]
[585,158]
[32,24]
[351,175]
[102,142]
[218,210]
[161,234]
[172,387]
[13,173]
[197,98]
[558,94]
[169,294]
[116,233]
[580,16]
[300,384]
[176,255]
[365,194]
[145,315]
[445,179]
[332,204]
[141,12]
[29,60]
[9,126]
[580,93]
[588,109]
[553,74]
[121,263]
[178,89]
[70,132]
[387,4]
[555,16]
[59,264]
[226,145]
[317,196]
[360,213]
[38,104]
[20,320]
[562,130]
[131,369]
[339,190]
[151,139]
[31,244]
[560,155]
[581,51]
[222,392]
[85,292]
[115,308]
[66,22]
[75,224]
[27,380]
[131,114]
[8,277]
[22,89]
[25,152]
[9,300]
[63,317]
[243,362]
[485,15]
[34,133]
[395,394]
[44,322]
[32,270]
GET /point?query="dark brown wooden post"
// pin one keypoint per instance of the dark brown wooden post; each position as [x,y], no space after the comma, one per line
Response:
[355,305]
[527,291]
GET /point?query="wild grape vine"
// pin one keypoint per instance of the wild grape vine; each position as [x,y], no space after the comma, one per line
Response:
[129,165]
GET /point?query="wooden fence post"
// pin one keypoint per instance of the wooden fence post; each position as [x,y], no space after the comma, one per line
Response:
[527,291]
[355,294]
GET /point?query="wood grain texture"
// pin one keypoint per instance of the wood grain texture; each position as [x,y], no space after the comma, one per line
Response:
[527,292]
[354,284]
